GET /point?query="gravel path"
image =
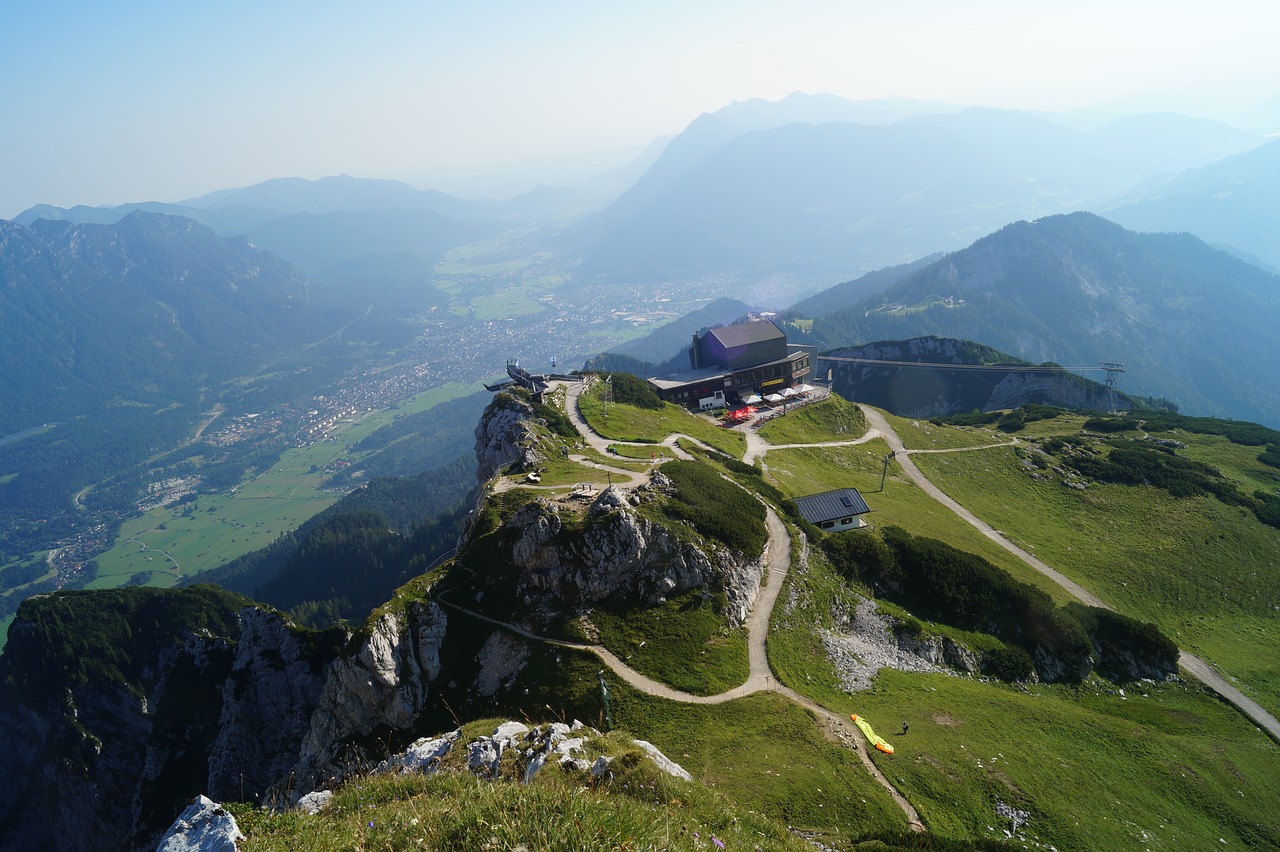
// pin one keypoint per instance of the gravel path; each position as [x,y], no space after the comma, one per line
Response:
[760,677]
[1193,665]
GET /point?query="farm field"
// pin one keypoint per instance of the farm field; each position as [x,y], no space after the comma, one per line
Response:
[168,544]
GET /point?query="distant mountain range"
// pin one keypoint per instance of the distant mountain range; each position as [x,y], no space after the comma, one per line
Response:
[1192,323]
[117,339]
[317,225]
[1234,202]
[757,192]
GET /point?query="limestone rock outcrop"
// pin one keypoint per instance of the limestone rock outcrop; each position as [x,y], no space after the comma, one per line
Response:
[383,684]
[866,373]
[205,826]
[504,435]
[619,552]
[267,701]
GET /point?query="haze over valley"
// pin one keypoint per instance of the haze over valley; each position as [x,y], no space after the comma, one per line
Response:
[269,445]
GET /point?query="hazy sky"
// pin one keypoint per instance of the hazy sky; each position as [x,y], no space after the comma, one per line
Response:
[104,103]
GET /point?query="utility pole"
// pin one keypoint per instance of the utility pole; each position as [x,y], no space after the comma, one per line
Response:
[1113,372]
[883,473]
[606,397]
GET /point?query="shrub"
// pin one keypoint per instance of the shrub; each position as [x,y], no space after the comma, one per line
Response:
[1267,509]
[716,507]
[1009,663]
[1127,648]
[1012,422]
[1270,456]
[1109,424]
[1131,464]
[556,420]
[940,583]
[972,418]
[1236,431]
[633,391]
[864,558]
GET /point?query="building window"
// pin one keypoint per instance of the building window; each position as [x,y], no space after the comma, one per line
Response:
[826,525]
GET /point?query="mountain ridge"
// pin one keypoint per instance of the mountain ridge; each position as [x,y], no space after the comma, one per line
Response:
[1189,321]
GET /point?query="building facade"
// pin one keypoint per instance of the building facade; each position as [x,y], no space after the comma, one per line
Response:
[730,363]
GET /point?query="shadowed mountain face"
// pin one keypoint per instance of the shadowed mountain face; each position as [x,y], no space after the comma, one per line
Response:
[836,198]
[151,308]
[1192,323]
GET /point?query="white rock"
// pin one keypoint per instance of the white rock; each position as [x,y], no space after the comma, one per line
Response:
[664,763]
[484,753]
[509,731]
[423,756]
[315,802]
[203,827]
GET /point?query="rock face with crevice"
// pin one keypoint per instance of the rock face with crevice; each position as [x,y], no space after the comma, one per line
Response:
[616,552]
[505,434]
[231,709]
[383,684]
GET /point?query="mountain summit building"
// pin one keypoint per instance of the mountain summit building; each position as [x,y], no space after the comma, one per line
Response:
[729,363]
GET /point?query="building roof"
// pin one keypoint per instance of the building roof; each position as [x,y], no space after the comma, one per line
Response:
[688,377]
[746,333]
[832,505]
[702,374]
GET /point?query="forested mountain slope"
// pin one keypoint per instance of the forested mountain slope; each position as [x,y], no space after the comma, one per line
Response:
[1192,323]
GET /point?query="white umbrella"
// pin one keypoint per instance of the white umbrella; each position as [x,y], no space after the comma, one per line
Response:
[774,397]
[789,392]
[753,399]
[807,389]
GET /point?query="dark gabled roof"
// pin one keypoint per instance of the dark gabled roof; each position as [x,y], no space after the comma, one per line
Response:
[746,333]
[832,505]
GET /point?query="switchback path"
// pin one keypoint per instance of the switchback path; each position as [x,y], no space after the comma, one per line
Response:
[759,678]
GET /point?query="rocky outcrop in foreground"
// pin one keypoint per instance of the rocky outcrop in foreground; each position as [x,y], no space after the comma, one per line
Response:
[205,826]
[102,742]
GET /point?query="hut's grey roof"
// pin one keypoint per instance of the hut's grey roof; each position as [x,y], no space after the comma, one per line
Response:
[831,505]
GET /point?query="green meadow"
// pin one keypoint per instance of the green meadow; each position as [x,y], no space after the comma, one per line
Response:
[622,422]
[172,543]
[1208,574]
[1095,765]
[802,471]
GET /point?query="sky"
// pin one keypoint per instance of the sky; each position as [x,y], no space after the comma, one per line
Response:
[107,103]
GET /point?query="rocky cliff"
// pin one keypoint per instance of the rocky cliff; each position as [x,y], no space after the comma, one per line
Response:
[118,707]
[505,434]
[619,553]
[102,745]
[383,684]
[952,376]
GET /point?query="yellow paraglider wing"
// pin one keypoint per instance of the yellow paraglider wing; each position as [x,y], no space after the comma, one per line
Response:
[872,737]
